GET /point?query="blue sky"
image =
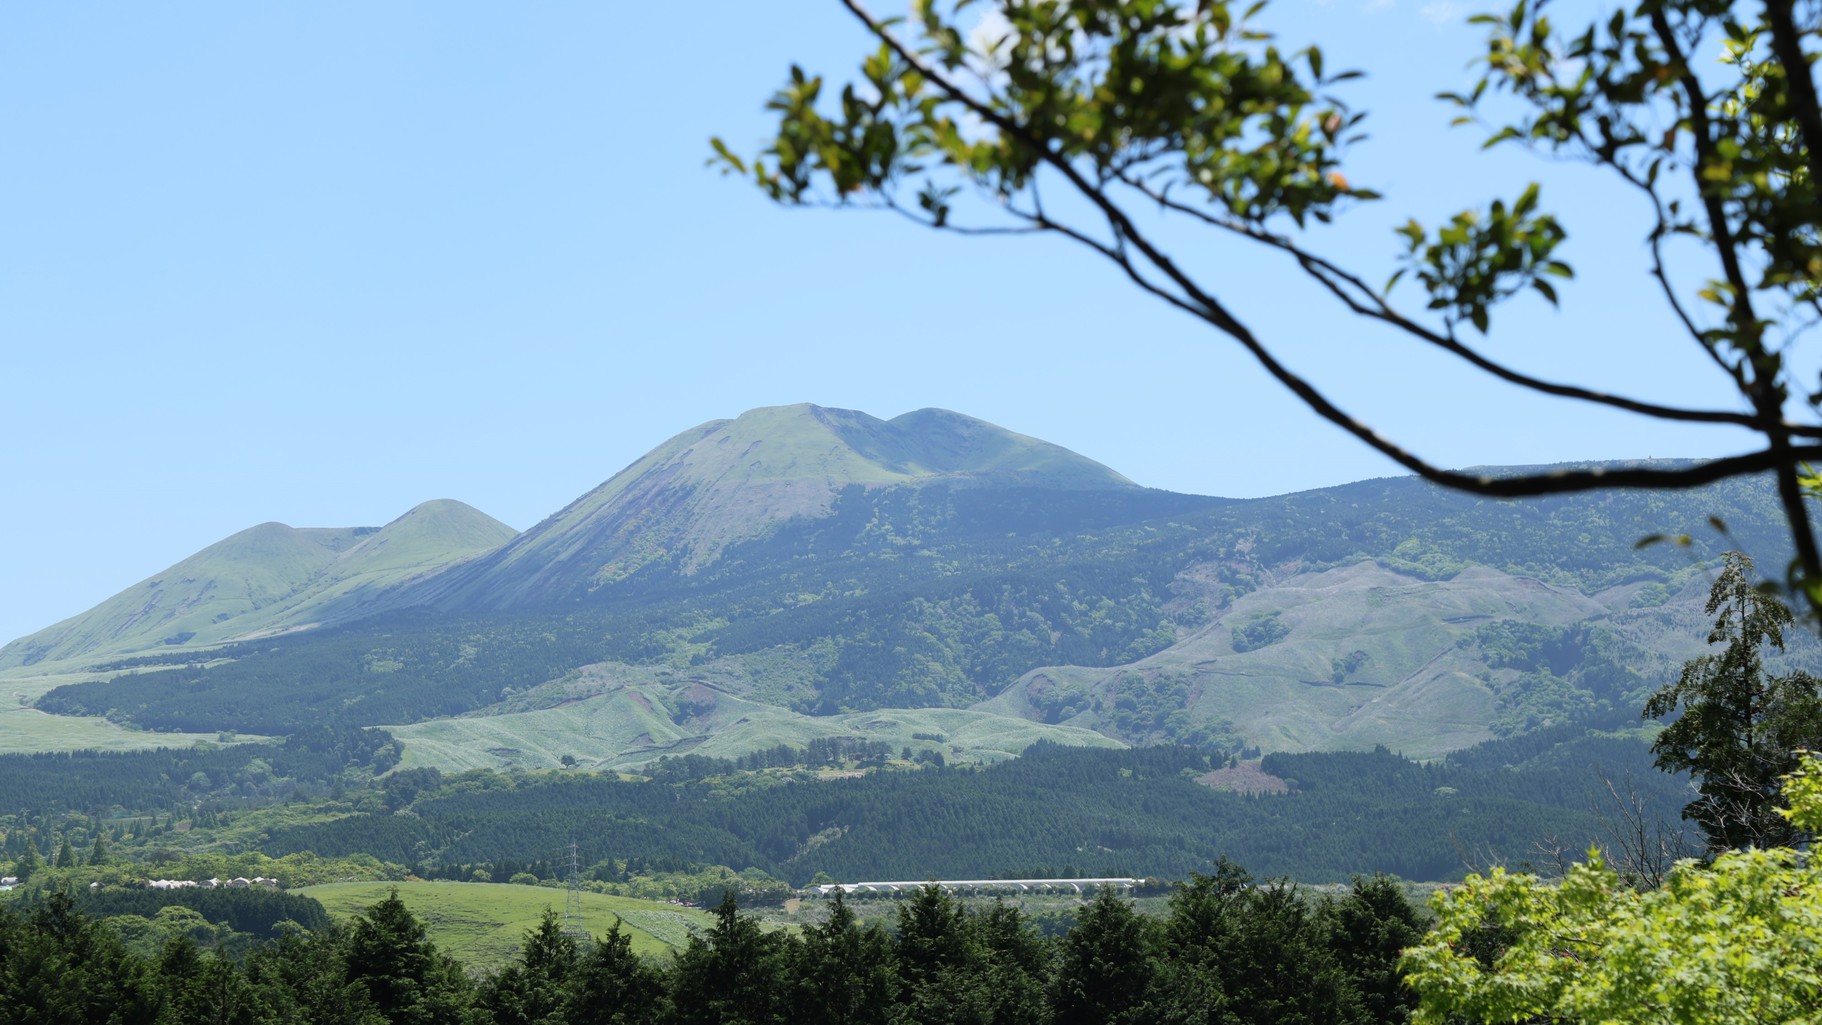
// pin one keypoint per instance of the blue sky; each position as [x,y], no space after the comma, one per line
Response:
[318,263]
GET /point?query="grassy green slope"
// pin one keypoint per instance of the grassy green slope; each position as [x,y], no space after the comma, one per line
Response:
[1419,686]
[267,578]
[484,924]
[727,481]
[635,715]
[29,731]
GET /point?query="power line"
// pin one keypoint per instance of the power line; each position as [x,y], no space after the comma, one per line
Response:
[572,899]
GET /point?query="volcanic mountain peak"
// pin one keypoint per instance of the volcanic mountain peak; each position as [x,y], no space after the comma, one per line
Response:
[733,480]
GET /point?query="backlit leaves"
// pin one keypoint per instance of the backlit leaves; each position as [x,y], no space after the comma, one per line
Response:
[1730,941]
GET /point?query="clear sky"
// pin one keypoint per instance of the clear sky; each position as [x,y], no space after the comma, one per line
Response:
[317,263]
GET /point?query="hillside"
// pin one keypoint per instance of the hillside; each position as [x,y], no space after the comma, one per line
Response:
[613,716]
[727,481]
[802,575]
[268,578]
[1361,655]
[1391,613]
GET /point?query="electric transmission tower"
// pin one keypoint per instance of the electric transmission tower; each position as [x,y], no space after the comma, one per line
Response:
[572,899]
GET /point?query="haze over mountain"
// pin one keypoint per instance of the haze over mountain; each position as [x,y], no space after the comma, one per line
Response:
[266,578]
[800,573]
[728,481]
[722,482]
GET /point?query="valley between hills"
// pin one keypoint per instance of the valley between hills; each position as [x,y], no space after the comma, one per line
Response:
[776,645]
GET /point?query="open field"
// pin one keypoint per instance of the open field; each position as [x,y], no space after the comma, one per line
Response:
[628,727]
[25,730]
[28,731]
[484,924]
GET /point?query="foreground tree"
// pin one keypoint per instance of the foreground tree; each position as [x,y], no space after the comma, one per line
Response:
[534,991]
[732,977]
[1104,974]
[844,972]
[1131,106]
[1730,941]
[614,986]
[57,966]
[1739,728]
[406,978]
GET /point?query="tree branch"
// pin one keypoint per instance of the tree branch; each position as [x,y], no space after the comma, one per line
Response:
[1726,247]
[1367,303]
[1787,47]
[1205,307]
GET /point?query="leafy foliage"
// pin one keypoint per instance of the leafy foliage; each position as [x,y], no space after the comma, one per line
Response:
[1732,940]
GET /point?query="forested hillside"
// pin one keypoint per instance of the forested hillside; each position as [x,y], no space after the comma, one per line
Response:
[849,813]
[1055,811]
[1359,614]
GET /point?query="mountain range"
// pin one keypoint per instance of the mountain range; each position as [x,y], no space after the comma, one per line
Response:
[931,581]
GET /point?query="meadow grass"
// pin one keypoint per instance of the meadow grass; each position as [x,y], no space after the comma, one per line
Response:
[608,732]
[29,731]
[483,925]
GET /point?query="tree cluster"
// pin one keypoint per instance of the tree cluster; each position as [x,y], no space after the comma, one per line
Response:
[1229,949]
[1136,812]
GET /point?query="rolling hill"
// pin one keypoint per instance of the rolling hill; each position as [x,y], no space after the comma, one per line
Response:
[688,500]
[266,579]
[802,573]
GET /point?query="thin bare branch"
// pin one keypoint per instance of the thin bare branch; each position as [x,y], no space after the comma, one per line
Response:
[1361,298]
[1200,304]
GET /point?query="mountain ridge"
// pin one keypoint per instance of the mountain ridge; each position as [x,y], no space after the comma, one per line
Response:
[268,577]
[848,568]
[727,481]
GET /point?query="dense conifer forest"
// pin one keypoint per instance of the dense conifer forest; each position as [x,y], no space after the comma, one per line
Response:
[1229,948]
[1057,810]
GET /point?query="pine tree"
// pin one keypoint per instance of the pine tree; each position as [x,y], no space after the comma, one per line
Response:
[1739,729]
[614,986]
[531,991]
[28,862]
[1105,971]
[733,977]
[1369,928]
[404,974]
[844,973]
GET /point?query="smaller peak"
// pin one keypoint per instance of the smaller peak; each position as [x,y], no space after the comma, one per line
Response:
[934,413]
[442,507]
[796,411]
[453,522]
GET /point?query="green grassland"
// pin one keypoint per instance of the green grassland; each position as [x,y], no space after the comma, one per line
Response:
[1417,682]
[29,731]
[25,730]
[628,725]
[484,924]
